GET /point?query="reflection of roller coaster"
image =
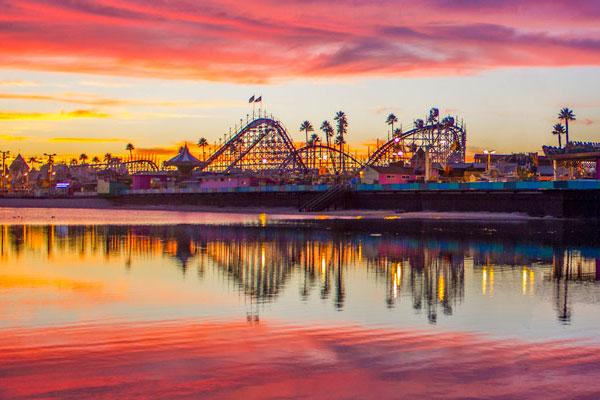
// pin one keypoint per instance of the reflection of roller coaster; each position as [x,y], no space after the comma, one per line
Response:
[263,144]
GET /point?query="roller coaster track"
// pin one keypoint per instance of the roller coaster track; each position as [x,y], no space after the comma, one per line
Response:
[251,135]
[329,151]
[435,129]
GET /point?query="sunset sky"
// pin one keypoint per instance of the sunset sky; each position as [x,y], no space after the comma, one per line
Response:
[92,75]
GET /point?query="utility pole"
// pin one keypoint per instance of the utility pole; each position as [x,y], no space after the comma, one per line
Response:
[4,154]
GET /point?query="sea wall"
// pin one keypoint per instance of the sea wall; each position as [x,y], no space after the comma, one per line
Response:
[553,202]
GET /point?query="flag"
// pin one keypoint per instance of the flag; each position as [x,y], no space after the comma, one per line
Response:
[251,100]
[259,98]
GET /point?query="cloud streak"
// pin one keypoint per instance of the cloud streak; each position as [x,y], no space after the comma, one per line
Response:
[61,116]
[270,40]
[96,100]
[86,140]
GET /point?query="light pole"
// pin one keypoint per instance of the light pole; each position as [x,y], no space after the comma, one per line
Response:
[50,169]
[489,154]
[4,154]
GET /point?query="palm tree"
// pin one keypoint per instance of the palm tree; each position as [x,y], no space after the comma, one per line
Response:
[33,160]
[202,143]
[306,127]
[314,140]
[96,160]
[559,129]
[107,157]
[83,157]
[73,161]
[342,128]
[328,130]
[130,149]
[391,120]
[50,157]
[566,115]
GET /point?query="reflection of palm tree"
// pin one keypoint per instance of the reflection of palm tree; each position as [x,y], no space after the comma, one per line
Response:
[340,292]
[306,127]
[559,129]
[566,115]
[202,143]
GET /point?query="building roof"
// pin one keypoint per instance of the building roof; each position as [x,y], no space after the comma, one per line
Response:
[18,165]
[183,158]
[394,170]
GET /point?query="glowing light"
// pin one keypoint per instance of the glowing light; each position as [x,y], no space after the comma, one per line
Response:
[491,281]
[325,157]
[397,140]
[524,280]
[531,281]
[400,153]
[441,287]
[262,257]
[484,281]
[263,219]
[264,160]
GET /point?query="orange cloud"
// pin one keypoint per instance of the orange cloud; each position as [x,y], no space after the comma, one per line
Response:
[24,116]
[11,138]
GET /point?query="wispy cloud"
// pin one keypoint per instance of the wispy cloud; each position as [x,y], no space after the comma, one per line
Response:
[18,82]
[31,116]
[96,100]
[103,84]
[12,138]
[227,40]
[86,140]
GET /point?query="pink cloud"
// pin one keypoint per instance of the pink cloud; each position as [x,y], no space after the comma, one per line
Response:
[270,40]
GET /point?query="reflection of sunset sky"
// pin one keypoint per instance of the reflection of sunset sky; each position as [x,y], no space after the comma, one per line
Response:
[78,274]
[217,311]
[191,359]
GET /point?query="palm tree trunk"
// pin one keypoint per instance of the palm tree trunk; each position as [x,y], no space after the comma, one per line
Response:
[567,131]
[559,143]
[331,157]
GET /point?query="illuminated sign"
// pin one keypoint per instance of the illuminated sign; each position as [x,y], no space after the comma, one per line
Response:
[62,185]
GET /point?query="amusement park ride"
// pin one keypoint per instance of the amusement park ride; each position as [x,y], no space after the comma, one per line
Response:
[264,145]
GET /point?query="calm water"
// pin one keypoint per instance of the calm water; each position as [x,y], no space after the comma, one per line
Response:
[255,306]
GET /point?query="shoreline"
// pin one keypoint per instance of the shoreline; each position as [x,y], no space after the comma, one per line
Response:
[284,213]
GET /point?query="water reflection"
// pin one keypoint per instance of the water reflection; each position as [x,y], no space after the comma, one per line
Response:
[260,263]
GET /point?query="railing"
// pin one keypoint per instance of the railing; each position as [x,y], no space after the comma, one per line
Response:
[324,200]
